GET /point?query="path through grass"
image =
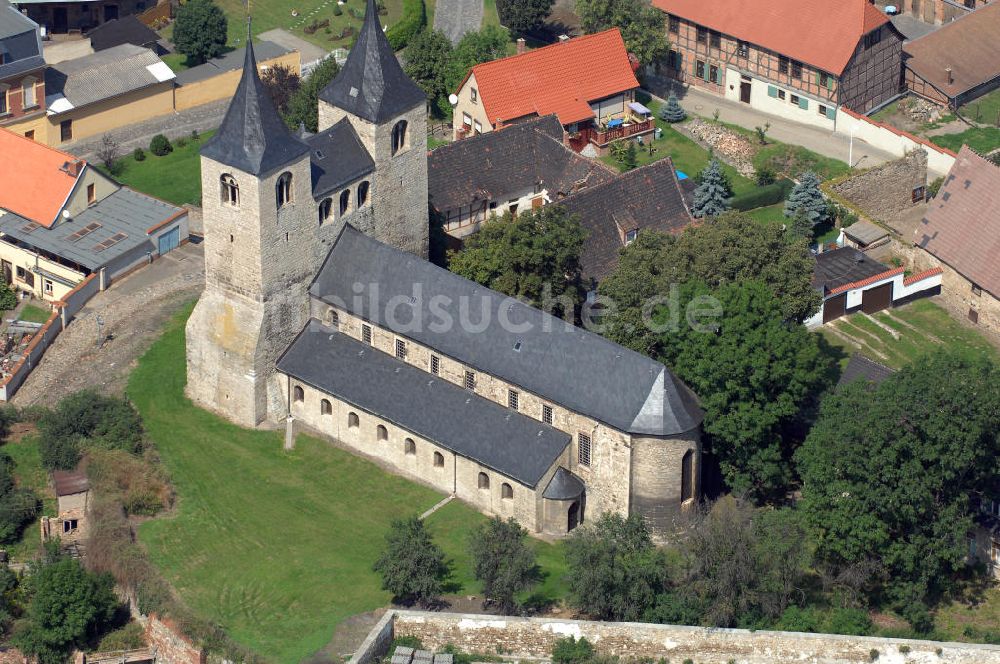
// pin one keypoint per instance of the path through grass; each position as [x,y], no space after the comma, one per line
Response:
[276,546]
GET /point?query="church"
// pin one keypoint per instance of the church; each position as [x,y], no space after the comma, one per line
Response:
[320,308]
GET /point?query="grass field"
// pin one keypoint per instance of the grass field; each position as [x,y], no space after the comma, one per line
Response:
[980,139]
[277,546]
[33,313]
[772,214]
[921,326]
[175,177]
[30,474]
[986,109]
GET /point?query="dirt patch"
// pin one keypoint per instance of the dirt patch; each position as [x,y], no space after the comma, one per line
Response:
[19,430]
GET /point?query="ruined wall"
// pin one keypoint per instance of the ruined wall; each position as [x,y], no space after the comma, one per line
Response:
[886,191]
[534,637]
[169,646]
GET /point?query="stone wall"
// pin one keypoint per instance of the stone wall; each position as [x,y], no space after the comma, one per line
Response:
[168,644]
[534,637]
[885,192]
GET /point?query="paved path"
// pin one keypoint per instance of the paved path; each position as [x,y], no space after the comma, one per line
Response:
[200,118]
[821,141]
[307,50]
[456,17]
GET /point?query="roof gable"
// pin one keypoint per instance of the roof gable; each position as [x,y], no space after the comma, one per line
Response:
[822,34]
[561,78]
[125,30]
[968,47]
[37,181]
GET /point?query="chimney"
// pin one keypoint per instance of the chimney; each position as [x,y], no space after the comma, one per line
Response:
[72,168]
[563,38]
[951,77]
[522,45]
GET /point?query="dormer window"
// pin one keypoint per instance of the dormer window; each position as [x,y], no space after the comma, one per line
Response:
[283,190]
[230,191]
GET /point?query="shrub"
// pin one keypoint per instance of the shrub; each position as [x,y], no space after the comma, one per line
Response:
[795,619]
[672,111]
[337,11]
[128,637]
[413,21]
[8,298]
[571,651]
[87,419]
[771,194]
[139,154]
[160,145]
[59,453]
[766,176]
[194,135]
[873,654]
[852,622]
[934,187]
[181,142]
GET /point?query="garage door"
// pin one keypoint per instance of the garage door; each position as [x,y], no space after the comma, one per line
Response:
[169,240]
[835,307]
[876,299]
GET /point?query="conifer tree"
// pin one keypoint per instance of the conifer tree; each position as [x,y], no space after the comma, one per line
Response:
[801,226]
[672,112]
[711,197]
[807,196]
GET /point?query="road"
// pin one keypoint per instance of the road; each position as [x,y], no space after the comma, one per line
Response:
[820,141]
[456,17]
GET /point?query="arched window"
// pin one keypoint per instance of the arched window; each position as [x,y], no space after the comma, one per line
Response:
[331,319]
[484,481]
[409,447]
[325,408]
[438,460]
[382,433]
[283,189]
[298,394]
[506,491]
[325,210]
[363,193]
[345,201]
[399,136]
[230,190]
[352,420]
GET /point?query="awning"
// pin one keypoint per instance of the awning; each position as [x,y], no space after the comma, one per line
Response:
[639,108]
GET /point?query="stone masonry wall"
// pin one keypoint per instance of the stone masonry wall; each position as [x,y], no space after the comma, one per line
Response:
[169,646]
[886,191]
[534,637]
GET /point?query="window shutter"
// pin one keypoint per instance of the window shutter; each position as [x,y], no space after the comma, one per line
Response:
[707,72]
[831,112]
[803,103]
[772,91]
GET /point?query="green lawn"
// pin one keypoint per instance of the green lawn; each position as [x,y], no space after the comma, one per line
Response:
[921,326]
[175,177]
[980,139]
[986,109]
[30,474]
[277,546]
[32,313]
[772,214]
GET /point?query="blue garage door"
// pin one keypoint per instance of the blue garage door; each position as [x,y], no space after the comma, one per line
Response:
[170,240]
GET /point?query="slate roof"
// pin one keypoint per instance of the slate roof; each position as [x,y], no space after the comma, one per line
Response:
[253,137]
[372,84]
[34,183]
[561,78]
[125,211]
[472,426]
[962,223]
[843,266]
[20,42]
[337,157]
[969,46]
[816,32]
[860,367]
[505,338]
[644,199]
[124,30]
[68,482]
[104,75]
[564,485]
[499,164]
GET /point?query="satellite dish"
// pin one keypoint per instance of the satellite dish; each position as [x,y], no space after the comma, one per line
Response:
[453,99]
[65,214]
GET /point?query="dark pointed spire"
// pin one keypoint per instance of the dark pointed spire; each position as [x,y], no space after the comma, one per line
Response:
[253,137]
[372,84]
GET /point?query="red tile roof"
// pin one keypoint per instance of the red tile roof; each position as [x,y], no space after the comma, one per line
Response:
[562,78]
[818,32]
[854,285]
[920,276]
[32,182]
[962,223]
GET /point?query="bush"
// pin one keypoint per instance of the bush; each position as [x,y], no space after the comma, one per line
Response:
[8,298]
[571,651]
[852,622]
[181,142]
[771,194]
[337,11]
[87,419]
[139,154]
[766,176]
[934,187]
[795,619]
[128,637]
[160,145]
[413,21]
[59,453]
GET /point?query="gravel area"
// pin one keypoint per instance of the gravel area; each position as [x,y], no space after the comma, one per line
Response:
[134,311]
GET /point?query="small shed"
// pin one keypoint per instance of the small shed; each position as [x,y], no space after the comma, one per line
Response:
[72,489]
[864,235]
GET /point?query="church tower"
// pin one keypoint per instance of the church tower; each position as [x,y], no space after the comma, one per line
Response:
[259,218]
[389,113]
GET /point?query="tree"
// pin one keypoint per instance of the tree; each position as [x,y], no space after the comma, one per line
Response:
[503,562]
[523,15]
[18,505]
[640,23]
[615,571]
[710,198]
[485,45]
[282,83]
[303,106]
[672,112]
[200,31]
[412,566]
[806,196]
[887,473]
[534,256]
[109,153]
[756,375]
[801,225]
[427,61]
[87,419]
[8,298]
[67,606]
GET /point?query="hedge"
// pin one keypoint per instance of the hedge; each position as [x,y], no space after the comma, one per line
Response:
[763,196]
[413,21]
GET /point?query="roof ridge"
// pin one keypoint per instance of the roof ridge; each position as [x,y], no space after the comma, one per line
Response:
[571,40]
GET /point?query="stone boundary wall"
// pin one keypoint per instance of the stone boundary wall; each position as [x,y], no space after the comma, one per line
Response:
[898,142]
[885,192]
[534,637]
[167,643]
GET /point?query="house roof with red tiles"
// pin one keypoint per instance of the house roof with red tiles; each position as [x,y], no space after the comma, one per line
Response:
[816,32]
[35,180]
[962,223]
[562,78]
